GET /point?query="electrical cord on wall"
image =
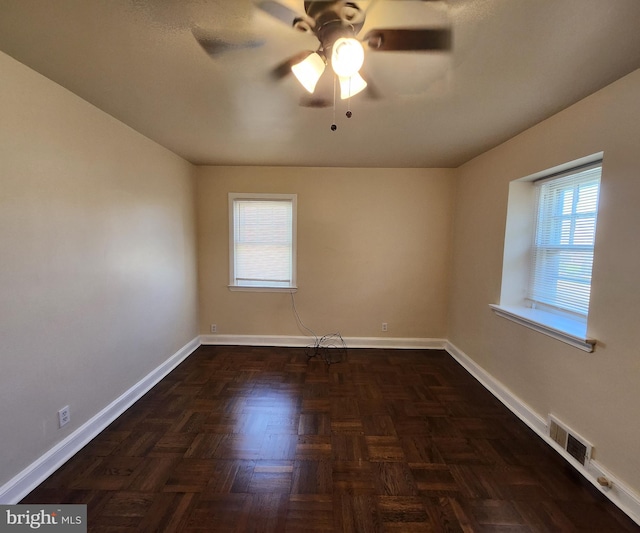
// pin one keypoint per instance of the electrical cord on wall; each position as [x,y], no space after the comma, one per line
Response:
[299,320]
[330,348]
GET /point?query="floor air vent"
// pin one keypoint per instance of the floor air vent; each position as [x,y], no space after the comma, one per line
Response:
[574,444]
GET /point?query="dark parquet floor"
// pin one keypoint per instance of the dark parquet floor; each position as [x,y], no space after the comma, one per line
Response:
[263,439]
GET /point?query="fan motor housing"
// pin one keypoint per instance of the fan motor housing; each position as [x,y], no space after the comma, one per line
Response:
[330,23]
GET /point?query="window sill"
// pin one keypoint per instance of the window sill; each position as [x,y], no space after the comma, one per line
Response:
[246,288]
[563,329]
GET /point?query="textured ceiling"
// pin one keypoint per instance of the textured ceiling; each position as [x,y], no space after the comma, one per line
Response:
[514,63]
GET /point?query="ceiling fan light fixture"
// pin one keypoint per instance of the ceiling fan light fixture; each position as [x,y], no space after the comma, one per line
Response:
[308,71]
[351,86]
[347,56]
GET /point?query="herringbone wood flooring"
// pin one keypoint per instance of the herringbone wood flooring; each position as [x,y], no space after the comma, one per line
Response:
[263,439]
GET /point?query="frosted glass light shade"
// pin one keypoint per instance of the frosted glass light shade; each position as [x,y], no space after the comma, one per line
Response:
[308,71]
[347,56]
[351,86]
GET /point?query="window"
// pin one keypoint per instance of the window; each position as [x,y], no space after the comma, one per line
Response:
[262,241]
[562,255]
[549,247]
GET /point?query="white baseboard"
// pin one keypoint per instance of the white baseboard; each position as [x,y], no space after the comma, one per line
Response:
[301,341]
[619,493]
[24,482]
[495,387]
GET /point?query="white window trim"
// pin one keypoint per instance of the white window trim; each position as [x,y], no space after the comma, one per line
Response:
[563,329]
[512,305]
[263,196]
[242,288]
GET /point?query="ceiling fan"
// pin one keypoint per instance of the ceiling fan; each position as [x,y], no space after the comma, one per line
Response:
[336,24]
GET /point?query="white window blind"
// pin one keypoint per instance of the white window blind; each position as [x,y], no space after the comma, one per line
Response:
[562,255]
[263,243]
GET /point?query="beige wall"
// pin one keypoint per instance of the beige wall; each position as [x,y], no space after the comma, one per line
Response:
[98,281]
[373,247]
[98,277]
[596,394]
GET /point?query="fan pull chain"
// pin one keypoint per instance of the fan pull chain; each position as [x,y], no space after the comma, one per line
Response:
[334,126]
[349,114]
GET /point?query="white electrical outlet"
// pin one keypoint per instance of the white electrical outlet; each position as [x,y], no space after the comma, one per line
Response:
[384,326]
[214,328]
[64,416]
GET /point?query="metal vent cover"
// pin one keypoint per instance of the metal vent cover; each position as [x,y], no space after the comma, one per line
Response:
[575,445]
[577,449]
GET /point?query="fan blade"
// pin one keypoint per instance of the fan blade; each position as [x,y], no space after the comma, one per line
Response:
[283,69]
[313,101]
[409,39]
[278,11]
[215,46]
[372,92]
